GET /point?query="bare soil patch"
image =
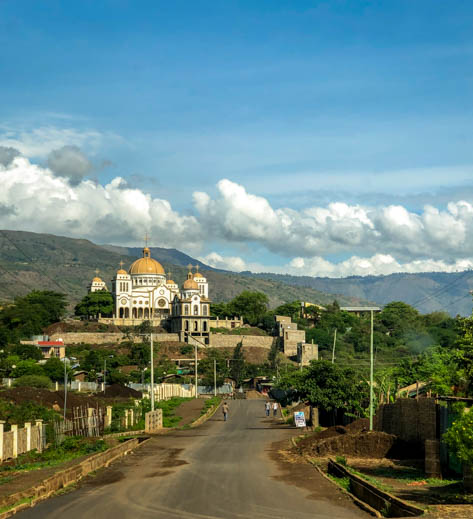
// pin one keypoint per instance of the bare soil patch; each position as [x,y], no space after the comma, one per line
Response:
[189,410]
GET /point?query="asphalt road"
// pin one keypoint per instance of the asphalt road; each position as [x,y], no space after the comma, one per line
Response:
[229,470]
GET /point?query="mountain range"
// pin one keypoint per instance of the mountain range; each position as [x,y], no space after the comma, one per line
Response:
[45,261]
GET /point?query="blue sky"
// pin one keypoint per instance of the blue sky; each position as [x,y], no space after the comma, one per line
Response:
[303,103]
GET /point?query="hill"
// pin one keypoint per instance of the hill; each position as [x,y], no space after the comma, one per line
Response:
[428,291]
[43,261]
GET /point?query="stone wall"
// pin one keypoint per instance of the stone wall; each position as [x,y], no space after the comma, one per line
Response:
[230,341]
[412,420]
[104,338]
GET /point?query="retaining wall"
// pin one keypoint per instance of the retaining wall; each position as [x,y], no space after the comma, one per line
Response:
[103,338]
[230,341]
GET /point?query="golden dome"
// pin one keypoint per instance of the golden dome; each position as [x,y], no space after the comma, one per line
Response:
[97,280]
[146,265]
[122,272]
[190,284]
[198,275]
[170,282]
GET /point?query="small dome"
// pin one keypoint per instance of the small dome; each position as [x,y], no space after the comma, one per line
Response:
[198,275]
[97,280]
[122,272]
[146,265]
[190,284]
[170,282]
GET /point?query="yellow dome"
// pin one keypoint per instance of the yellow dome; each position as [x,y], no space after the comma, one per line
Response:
[170,282]
[97,280]
[146,265]
[190,284]
[198,275]
[122,272]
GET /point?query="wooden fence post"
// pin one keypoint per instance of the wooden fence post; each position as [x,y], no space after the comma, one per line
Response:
[126,418]
[14,429]
[132,418]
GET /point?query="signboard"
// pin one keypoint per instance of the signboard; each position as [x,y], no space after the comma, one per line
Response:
[299,419]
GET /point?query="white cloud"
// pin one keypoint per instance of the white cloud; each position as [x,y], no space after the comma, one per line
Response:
[379,264]
[69,162]
[241,217]
[39,142]
[39,201]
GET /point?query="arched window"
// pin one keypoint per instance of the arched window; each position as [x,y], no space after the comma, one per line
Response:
[140,313]
[204,309]
[186,309]
[146,316]
[196,326]
[127,313]
[134,313]
[121,313]
[187,326]
[196,309]
[204,326]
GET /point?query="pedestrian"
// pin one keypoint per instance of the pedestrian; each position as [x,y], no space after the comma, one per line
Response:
[267,407]
[275,408]
[225,411]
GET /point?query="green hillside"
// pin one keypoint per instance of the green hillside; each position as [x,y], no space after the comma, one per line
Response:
[43,261]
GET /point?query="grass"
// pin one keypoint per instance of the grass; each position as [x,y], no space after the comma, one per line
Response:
[410,475]
[71,448]
[169,408]
[342,482]
[209,403]
[14,505]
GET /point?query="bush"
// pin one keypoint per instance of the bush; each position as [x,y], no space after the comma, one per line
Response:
[459,438]
[39,381]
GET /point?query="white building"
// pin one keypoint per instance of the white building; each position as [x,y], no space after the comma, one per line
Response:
[145,293]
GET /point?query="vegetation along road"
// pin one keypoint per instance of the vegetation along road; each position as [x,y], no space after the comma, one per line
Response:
[219,470]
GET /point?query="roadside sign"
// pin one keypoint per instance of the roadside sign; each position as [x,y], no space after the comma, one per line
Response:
[299,419]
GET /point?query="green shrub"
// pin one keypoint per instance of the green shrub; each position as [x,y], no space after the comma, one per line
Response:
[39,381]
[459,438]
[342,460]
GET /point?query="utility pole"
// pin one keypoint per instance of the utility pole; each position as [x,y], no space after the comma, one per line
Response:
[334,343]
[195,362]
[215,377]
[65,388]
[371,374]
[152,370]
[104,374]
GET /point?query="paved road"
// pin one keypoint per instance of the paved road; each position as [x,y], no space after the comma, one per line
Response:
[229,470]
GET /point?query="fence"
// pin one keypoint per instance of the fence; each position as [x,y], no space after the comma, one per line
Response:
[20,440]
[85,421]
[154,421]
[166,391]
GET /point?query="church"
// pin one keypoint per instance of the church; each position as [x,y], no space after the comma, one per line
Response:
[145,293]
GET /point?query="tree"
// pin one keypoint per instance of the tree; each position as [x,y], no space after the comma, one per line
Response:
[237,365]
[329,386]
[292,310]
[95,303]
[27,367]
[54,369]
[26,351]
[250,305]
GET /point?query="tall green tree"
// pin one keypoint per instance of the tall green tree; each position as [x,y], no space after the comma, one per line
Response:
[252,306]
[95,303]
[237,365]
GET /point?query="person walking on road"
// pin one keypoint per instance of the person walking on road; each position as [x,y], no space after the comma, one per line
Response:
[275,408]
[225,411]
[267,407]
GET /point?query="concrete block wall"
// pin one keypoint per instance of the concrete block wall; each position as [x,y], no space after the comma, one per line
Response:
[230,341]
[103,338]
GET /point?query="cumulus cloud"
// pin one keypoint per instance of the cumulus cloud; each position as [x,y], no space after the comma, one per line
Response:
[69,162]
[35,199]
[238,216]
[7,154]
[379,264]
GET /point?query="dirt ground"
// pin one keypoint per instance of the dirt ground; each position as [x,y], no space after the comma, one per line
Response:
[406,480]
[189,410]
